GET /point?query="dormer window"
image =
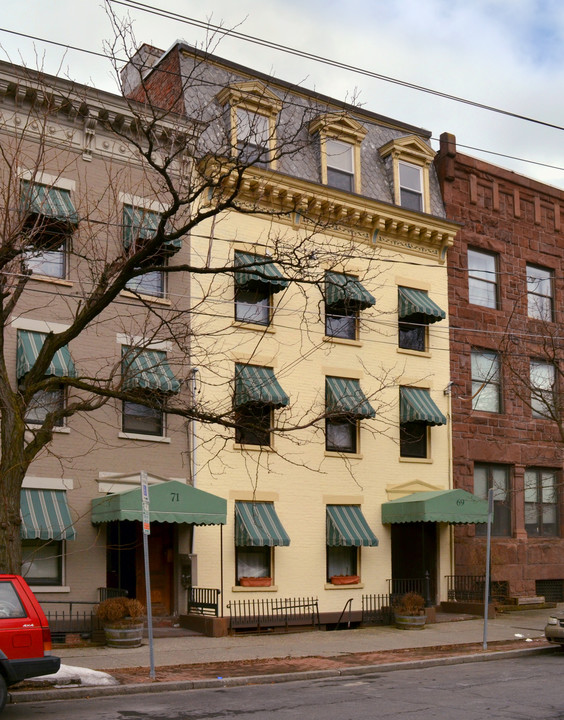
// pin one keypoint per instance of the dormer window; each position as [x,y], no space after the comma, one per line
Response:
[408,160]
[340,138]
[411,186]
[340,164]
[253,110]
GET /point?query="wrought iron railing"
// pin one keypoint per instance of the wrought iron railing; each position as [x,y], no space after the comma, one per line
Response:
[203,601]
[73,618]
[423,586]
[275,612]
[377,610]
[470,588]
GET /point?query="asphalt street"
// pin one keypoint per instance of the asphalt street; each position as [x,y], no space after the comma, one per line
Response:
[527,688]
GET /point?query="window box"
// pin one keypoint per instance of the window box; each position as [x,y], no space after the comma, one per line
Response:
[255,581]
[345,579]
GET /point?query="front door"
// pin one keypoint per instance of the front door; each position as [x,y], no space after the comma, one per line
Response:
[161,567]
[414,553]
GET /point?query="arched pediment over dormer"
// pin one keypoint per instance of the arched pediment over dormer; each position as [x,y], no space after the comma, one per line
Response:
[338,125]
[252,95]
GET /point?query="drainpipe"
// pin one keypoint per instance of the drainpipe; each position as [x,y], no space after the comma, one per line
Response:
[193,444]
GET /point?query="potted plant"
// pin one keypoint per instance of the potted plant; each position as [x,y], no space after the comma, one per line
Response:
[409,612]
[122,620]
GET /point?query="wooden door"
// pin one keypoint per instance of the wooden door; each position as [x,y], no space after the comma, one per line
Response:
[161,567]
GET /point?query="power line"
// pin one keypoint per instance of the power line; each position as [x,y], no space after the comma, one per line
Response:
[168,14]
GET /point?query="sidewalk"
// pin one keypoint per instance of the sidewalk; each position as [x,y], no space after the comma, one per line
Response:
[192,661]
[190,649]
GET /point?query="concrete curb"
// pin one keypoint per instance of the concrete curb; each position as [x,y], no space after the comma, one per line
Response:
[43,695]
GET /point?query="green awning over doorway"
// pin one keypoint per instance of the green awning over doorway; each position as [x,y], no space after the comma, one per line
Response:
[417,306]
[45,515]
[417,405]
[258,525]
[448,506]
[171,502]
[347,527]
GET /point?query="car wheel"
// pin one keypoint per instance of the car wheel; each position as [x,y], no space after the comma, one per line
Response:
[3,692]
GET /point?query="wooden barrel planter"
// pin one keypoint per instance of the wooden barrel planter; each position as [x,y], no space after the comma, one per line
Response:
[410,622]
[124,636]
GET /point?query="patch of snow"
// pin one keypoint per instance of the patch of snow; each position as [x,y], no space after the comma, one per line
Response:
[69,675]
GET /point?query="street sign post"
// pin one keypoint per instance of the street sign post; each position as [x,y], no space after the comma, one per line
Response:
[146,533]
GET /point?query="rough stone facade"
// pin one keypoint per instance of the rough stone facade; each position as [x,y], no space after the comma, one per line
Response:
[519,221]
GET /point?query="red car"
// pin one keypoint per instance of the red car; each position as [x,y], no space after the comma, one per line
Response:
[25,638]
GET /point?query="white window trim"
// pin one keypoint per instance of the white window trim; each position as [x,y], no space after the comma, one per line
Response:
[43,178]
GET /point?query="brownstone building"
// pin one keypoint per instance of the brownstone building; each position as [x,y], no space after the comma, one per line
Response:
[505,294]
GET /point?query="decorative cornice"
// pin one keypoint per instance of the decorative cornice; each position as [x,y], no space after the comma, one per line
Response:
[339,125]
[410,148]
[308,204]
[252,95]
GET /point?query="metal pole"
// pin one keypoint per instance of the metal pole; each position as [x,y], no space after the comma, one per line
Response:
[488,554]
[146,532]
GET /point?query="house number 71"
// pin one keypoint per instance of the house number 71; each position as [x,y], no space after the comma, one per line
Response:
[175,497]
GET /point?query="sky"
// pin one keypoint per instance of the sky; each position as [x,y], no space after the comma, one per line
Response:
[504,53]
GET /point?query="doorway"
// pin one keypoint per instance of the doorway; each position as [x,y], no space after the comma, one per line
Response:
[414,553]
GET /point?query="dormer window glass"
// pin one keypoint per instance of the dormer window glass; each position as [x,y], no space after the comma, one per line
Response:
[340,165]
[411,187]
[252,137]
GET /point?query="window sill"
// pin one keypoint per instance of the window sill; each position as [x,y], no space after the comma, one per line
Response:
[427,461]
[149,298]
[50,279]
[49,588]
[342,341]
[255,327]
[330,586]
[146,438]
[416,353]
[342,455]
[240,588]
[37,426]
[255,448]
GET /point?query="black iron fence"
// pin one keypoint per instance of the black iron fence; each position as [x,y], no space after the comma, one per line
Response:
[273,612]
[203,601]
[423,586]
[471,588]
[76,617]
[377,610]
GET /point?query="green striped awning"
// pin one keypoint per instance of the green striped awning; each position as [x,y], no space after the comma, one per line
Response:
[344,396]
[258,525]
[170,502]
[51,202]
[347,527]
[345,289]
[416,405]
[147,370]
[140,225]
[448,506]
[417,306]
[258,271]
[254,384]
[45,515]
[28,348]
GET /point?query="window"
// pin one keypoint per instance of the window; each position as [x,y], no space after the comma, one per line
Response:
[345,405]
[341,434]
[142,420]
[411,186]
[539,293]
[541,502]
[345,297]
[413,439]
[341,561]
[147,376]
[340,165]
[257,394]
[50,218]
[496,477]
[42,562]
[482,278]
[256,280]
[253,562]
[252,137]
[416,311]
[542,386]
[418,411]
[253,424]
[151,283]
[486,395]
[44,402]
